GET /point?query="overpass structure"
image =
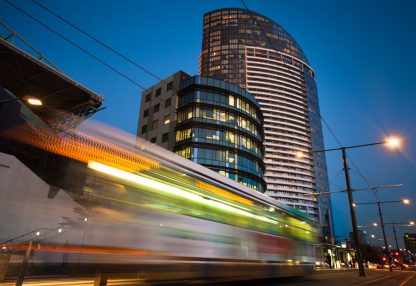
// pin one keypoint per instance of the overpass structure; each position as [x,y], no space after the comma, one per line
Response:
[65,102]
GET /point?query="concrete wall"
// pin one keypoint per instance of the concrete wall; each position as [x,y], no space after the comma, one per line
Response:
[25,206]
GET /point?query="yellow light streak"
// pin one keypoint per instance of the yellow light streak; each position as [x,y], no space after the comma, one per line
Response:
[171,190]
[223,193]
[84,147]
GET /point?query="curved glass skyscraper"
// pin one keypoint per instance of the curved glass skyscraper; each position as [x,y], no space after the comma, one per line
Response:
[219,125]
[255,53]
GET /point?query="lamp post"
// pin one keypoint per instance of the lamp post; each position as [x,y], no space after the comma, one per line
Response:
[405,201]
[391,142]
[411,223]
[25,262]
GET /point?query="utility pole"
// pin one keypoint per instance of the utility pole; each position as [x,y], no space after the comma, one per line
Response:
[22,272]
[352,211]
[386,245]
[395,236]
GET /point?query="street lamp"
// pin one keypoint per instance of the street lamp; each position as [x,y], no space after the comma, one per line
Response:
[392,142]
[31,100]
[405,201]
[410,223]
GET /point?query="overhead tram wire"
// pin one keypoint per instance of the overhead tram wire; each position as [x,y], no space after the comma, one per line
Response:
[75,45]
[276,50]
[108,47]
[317,111]
[92,37]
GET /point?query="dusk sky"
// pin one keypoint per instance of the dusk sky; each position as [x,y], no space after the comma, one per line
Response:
[363,53]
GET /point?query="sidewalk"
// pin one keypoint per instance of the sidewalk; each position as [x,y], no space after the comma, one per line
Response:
[348,277]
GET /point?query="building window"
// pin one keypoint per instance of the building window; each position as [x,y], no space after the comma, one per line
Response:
[156,108]
[169,86]
[147,99]
[231,100]
[153,140]
[154,124]
[145,113]
[166,119]
[144,129]
[158,91]
[165,137]
[168,102]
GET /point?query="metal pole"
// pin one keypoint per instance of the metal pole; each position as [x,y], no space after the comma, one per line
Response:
[352,211]
[22,272]
[395,236]
[397,245]
[384,236]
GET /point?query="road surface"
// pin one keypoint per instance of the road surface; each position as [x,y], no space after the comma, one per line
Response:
[320,278]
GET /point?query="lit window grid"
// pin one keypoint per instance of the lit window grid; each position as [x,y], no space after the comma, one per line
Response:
[274,88]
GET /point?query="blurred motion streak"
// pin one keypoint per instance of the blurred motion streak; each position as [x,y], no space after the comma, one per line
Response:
[82,147]
[134,207]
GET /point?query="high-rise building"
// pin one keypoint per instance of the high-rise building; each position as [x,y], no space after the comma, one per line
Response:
[209,121]
[250,50]
[219,125]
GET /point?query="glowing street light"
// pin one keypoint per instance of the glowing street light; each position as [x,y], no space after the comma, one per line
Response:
[375,224]
[34,101]
[390,141]
[378,203]
[393,142]
[373,236]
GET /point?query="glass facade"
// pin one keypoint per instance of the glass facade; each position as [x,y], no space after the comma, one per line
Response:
[226,32]
[253,52]
[219,125]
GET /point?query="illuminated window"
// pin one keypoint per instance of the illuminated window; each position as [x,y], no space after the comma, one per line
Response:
[221,116]
[207,113]
[214,68]
[183,134]
[154,124]
[230,137]
[231,100]
[166,119]
[231,157]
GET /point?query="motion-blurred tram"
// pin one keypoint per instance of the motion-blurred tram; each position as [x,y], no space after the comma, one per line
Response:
[142,209]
